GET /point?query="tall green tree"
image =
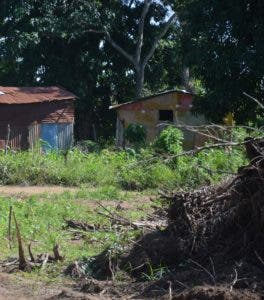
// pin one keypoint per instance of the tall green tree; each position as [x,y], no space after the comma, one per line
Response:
[223,41]
[50,42]
[140,24]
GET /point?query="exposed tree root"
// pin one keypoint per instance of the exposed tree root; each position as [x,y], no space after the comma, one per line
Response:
[214,236]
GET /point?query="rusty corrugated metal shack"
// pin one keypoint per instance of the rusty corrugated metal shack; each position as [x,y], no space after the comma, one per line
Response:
[29,114]
[155,111]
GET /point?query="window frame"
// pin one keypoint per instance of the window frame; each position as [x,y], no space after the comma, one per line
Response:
[169,111]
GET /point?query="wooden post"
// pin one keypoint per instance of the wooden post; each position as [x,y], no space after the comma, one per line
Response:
[9,226]
[94,133]
[122,127]
[7,138]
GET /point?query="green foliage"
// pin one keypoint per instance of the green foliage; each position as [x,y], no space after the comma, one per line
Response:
[155,273]
[51,42]
[169,141]
[116,170]
[39,214]
[222,42]
[135,134]
[87,146]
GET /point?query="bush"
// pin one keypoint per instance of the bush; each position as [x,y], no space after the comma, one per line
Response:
[135,134]
[88,146]
[169,141]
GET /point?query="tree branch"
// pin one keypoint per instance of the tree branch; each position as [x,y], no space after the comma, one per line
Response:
[141,29]
[212,146]
[120,49]
[254,99]
[115,45]
[158,38]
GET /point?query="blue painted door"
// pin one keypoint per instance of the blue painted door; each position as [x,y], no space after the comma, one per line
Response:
[56,136]
[49,136]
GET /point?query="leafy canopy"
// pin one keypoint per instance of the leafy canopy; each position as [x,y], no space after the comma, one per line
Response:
[223,41]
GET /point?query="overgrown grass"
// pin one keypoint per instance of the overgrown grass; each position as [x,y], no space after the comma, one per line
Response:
[154,166]
[123,169]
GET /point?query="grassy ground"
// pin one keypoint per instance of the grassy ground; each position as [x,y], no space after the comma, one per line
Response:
[42,223]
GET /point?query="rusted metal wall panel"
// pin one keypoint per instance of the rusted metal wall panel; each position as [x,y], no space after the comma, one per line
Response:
[51,112]
[24,120]
[18,138]
[33,135]
[65,136]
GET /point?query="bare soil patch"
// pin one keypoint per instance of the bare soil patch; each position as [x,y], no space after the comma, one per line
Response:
[137,202]
[14,287]
[20,191]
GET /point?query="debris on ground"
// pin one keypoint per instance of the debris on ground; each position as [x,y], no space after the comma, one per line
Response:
[23,263]
[214,238]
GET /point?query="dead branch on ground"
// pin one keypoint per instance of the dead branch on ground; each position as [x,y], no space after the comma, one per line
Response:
[81,225]
[120,220]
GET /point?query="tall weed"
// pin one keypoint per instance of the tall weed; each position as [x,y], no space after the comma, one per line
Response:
[119,169]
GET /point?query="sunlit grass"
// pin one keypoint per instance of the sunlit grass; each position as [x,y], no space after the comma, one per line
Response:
[41,219]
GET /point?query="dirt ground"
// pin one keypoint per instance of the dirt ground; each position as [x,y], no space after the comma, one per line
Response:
[17,288]
[22,192]
[12,288]
[16,190]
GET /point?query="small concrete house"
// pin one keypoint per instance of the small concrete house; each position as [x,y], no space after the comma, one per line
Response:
[155,111]
[28,114]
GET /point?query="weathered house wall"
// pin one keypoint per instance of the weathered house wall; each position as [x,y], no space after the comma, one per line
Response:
[27,122]
[147,113]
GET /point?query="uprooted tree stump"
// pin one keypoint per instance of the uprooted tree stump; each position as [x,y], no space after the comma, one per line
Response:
[219,222]
[229,216]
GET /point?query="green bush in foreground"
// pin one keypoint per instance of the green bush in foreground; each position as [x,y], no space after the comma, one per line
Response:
[169,141]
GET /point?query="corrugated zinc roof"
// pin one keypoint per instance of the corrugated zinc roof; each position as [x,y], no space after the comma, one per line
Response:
[24,95]
[116,106]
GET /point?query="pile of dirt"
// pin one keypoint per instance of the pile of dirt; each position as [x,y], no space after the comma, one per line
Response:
[165,290]
[215,293]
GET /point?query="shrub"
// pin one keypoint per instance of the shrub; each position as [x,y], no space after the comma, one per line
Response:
[169,141]
[135,134]
[88,146]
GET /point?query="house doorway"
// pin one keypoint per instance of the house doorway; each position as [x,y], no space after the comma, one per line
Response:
[56,136]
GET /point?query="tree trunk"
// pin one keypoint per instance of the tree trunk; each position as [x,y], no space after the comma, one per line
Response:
[186,79]
[140,76]
[137,60]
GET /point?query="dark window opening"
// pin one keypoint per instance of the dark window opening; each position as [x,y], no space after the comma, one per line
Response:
[166,115]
